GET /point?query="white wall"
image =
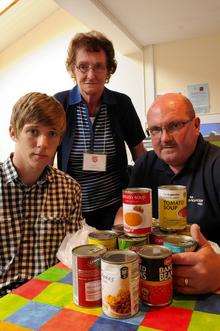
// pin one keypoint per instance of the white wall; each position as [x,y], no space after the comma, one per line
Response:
[36,62]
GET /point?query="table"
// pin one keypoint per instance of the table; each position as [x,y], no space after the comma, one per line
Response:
[45,303]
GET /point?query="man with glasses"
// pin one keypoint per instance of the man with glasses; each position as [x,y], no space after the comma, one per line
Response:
[182,157]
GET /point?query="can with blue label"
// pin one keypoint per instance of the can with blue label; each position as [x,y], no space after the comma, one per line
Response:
[180,243]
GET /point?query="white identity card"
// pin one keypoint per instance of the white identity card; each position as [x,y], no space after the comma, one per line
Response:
[94,162]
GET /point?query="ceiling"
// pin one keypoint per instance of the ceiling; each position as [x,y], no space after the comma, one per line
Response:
[141,22]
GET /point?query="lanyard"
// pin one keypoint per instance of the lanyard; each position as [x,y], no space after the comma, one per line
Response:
[84,136]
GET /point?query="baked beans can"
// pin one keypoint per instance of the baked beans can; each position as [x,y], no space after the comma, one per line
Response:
[103,237]
[87,275]
[137,211]
[120,283]
[172,203]
[156,287]
[126,242]
[180,243]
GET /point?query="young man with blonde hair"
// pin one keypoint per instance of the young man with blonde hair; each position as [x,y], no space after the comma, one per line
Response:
[38,203]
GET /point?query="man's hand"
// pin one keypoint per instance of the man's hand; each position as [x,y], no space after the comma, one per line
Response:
[197,272]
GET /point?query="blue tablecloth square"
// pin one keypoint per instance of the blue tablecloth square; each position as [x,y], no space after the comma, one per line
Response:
[209,304]
[68,279]
[33,315]
[112,325]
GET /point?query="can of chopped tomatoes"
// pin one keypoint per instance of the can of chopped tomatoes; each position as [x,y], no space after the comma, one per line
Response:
[137,211]
[120,283]
[87,275]
[156,287]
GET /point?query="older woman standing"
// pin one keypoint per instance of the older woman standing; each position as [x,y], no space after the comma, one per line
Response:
[99,122]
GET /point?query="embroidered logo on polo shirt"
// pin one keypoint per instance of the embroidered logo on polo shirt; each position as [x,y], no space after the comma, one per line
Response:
[198,201]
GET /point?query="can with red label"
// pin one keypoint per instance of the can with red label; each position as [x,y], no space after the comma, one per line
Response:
[137,211]
[156,287]
[87,275]
[157,236]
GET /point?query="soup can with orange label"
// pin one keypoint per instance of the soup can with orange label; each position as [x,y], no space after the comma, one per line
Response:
[172,203]
[137,211]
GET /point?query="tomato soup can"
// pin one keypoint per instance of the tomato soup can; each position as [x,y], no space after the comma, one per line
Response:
[103,237]
[137,211]
[180,243]
[156,287]
[172,203]
[87,275]
[120,283]
[126,242]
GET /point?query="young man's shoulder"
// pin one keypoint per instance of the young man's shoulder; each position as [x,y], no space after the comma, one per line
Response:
[63,176]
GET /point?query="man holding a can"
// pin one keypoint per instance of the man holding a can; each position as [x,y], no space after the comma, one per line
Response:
[182,157]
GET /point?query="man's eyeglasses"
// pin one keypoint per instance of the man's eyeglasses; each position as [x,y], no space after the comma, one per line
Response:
[156,131]
[97,68]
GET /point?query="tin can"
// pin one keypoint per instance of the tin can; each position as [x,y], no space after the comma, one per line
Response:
[103,237]
[87,275]
[172,202]
[137,211]
[118,229]
[126,242]
[180,243]
[157,236]
[185,231]
[120,283]
[156,287]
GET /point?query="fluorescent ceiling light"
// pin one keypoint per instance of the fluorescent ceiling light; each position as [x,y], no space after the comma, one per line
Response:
[6,4]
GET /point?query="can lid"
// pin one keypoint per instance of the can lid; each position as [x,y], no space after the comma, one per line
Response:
[180,240]
[172,187]
[102,235]
[119,256]
[89,250]
[132,239]
[119,227]
[154,251]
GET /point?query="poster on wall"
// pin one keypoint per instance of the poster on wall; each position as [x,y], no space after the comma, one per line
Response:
[198,94]
[210,127]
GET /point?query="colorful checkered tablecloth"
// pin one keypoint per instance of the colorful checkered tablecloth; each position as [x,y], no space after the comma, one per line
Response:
[45,303]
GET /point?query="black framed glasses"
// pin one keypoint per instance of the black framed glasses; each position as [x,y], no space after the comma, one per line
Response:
[173,127]
[84,68]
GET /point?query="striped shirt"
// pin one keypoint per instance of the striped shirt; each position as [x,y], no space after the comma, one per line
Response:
[34,220]
[99,189]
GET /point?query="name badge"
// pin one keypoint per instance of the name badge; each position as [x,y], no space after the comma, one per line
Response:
[94,162]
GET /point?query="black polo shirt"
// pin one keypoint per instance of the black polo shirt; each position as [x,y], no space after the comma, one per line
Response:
[201,176]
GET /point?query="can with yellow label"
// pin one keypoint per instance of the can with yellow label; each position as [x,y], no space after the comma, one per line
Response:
[172,203]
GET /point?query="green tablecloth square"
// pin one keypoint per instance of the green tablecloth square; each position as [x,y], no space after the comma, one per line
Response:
[188,304]
[145,328]
[9,304]
[204,322]
[56,294]
[53,274]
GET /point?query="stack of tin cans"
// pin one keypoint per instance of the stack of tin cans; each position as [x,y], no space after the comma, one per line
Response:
[134,259]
